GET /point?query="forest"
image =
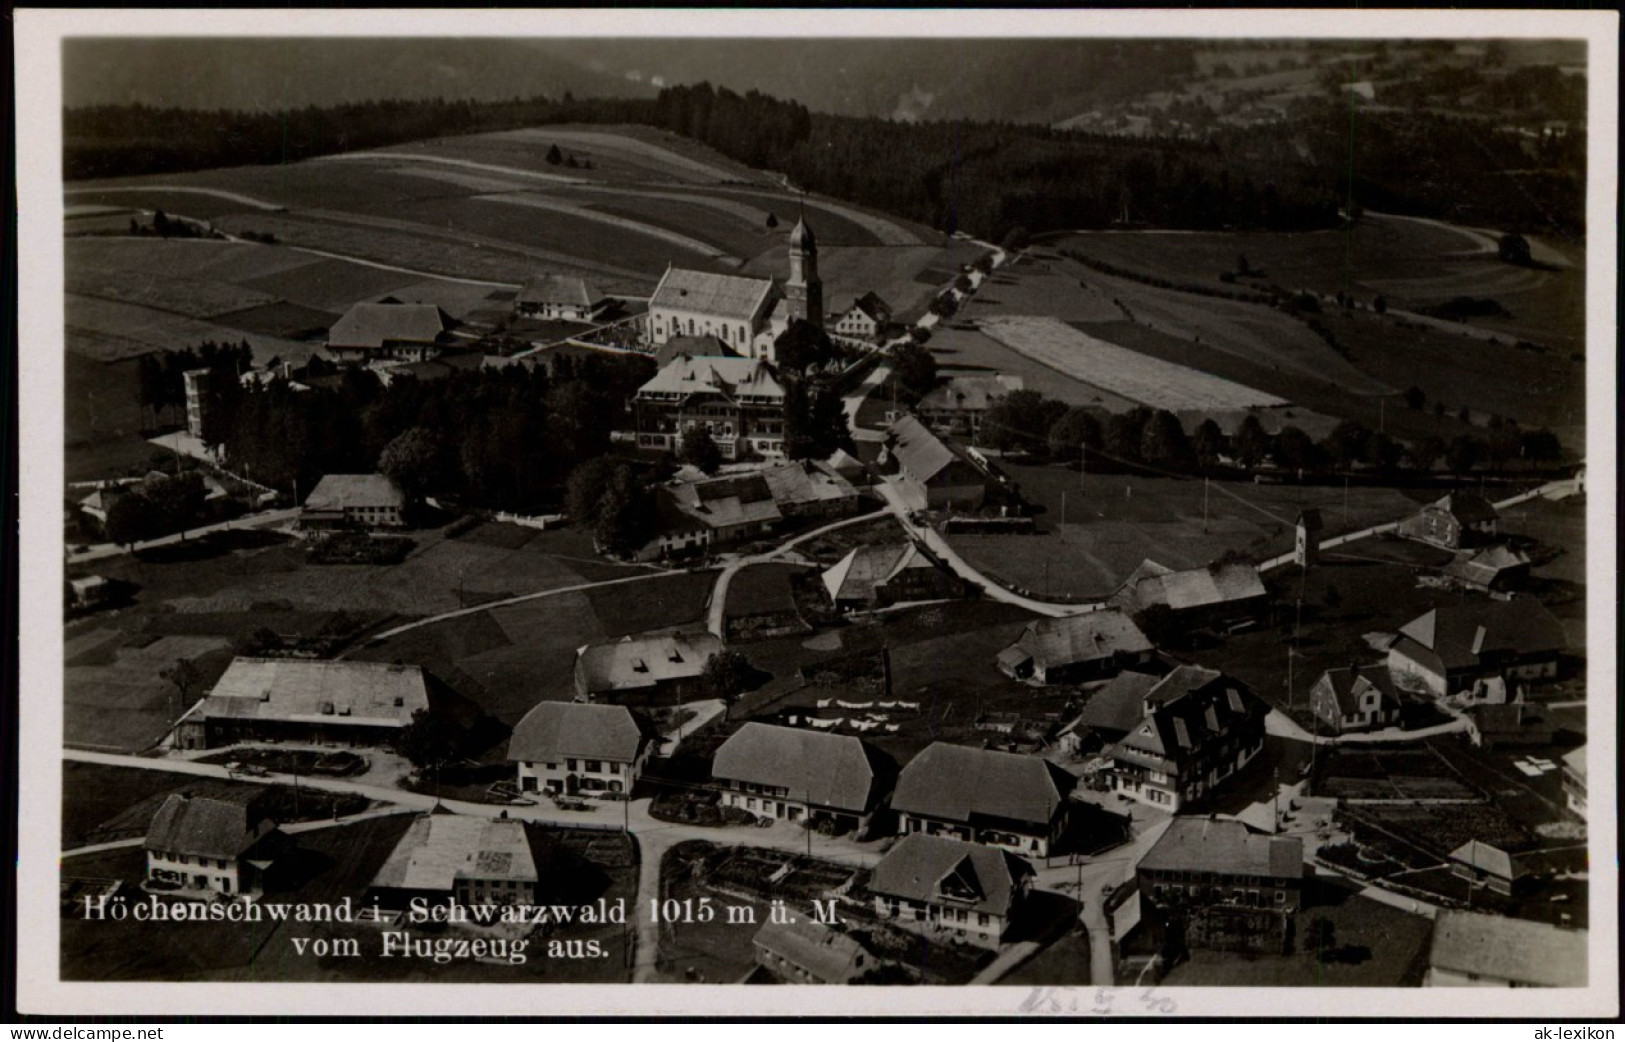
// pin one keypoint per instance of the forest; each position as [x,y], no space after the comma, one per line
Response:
[984,178]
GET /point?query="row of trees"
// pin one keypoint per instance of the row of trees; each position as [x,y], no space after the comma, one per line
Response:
[161,505]
[160,385]
[1028,422]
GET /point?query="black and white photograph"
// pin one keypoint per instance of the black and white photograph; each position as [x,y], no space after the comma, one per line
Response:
[994,513]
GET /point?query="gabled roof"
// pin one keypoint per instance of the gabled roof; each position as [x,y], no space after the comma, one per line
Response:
[921,453]
[554,731]
[1575,761]
[725,296]
[1467,507]
[725,502]
[829,956]
[1349,683]
[1088,637]
[206,826]
[733,378]
[1309,518]
[1226,848]
[803,482]
[1185,711]
[1118,706]
[1230,582]
[873,305]
[1509,949]
[941,871]
[559,289]
[1487,858]
[637,662]
[829,770]
[867,568]
[439,849]
[694,347]
[1505,718]
[328,692]
[339,491]
[973,393]
[959,783]
[1460,635]
[374,325]
[1485,566]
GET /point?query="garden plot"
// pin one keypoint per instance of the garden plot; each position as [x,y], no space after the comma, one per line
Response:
[1150,381]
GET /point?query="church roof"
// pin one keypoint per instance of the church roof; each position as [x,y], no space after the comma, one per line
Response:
[725,296]
[801,236]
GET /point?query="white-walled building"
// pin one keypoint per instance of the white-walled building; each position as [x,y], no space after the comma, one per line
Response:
[571,747]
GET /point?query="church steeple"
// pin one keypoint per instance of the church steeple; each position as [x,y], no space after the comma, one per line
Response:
[804,291]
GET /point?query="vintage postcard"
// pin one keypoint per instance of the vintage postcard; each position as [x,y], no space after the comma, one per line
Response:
[979,513]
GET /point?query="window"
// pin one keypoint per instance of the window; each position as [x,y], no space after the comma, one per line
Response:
[571,764]
[593,766]
[615,768]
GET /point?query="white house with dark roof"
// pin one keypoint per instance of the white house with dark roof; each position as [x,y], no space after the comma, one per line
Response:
[659,664]
[1227,885]
[958,402]
[353,501]
[404,332]
[1449,649]
[571,747]
[210,845]
[569,298]
[314,700]
[1461,519]
[746,314]
[1197,728]
[469,861]
[1486,865]
[933,473]
[1355,698]
[866,319]
[947,887]
[740,401]
[1007,800]
[800,775]
[1474,950]
[1076,648]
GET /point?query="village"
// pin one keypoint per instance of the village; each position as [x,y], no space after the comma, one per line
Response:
[836,624]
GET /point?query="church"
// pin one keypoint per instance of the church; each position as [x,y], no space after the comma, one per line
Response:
[746,314]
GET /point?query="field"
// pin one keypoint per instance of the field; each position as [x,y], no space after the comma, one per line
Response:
[1127,373]
[1115,521]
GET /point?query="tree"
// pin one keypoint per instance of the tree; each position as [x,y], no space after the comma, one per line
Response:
[1463,454]
[586,487]
[1379,304]
[160,223]
[1242,267]
[185,676]
[1016,239]
[416,460]
[1163,442]
[1541,446]
[1124,432]
[1465,415]
[699,449]
[1415,398]
[1209,443]
[1076,430]
[176,501]
[1514,249]
[429,742]
[1426,452]
[1383,452]
[803,346]
[626,514]
[728,674]
[1252,442]
[554,156]
[1019,421]
[1504,443]
[772,219]
[1347,443]
[1294,449]
[915,368]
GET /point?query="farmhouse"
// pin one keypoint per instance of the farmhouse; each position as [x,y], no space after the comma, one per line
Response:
[1449,649]
[1112,711]
[803,488]
[306,700]
[762,604]
[807,952]
[957,404]
[1459,520]
[1485,865]
[405,332]
[1220,594]
[712,512]
[211,845]
[1224,885]
[1474,950]
[469,861]
[795,774]
[571,747]
[1007,800]
[564,297]
[875,575]
[1355,698]
[353,501]
[866,319]
[746,314]
[739,400]
[1574,781]
[670,664]
[1076,648]
[1494,569]
[1197,728]
[946,886]
[933,473]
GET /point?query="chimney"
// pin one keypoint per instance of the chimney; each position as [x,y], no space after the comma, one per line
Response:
[1478,640]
